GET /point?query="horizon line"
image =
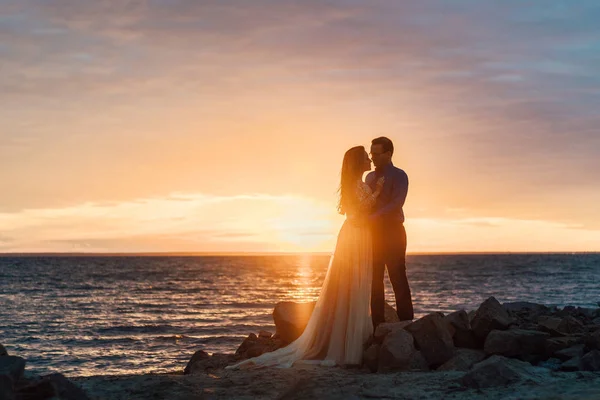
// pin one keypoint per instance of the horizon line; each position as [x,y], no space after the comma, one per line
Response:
[260,253]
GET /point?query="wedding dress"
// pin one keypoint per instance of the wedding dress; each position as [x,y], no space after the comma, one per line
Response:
[341,320]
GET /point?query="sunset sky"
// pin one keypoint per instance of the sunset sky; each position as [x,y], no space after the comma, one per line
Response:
[190,125]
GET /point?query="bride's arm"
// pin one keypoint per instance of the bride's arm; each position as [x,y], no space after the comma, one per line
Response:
[366,198]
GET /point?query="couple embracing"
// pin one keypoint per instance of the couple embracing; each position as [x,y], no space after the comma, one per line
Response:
[351,302]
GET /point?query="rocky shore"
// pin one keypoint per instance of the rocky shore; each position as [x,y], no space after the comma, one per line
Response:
[499,351]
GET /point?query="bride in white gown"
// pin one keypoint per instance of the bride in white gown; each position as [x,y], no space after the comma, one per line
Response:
[341,320]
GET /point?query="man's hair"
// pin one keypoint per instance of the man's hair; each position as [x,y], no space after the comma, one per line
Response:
[385,143]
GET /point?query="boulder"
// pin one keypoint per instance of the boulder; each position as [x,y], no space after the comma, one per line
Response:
[591,361]
[55,386]
[574,364]
[265,334]
[560,343]
[490,316]
[396,352]
[570,352]
[549,324]
[463,360]
[517,343]
[200,355]
[390,314]
[203,365]
[593,340]
[387,327]
[501,371]
[418,362]
[525,307]
[3,351]
[64,388]
[371,357]
[291,318]
[254,346]
[571,325]
[433,338]
[460,329]
[12,366]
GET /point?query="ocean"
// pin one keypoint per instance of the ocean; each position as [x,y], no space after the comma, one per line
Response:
[98,315]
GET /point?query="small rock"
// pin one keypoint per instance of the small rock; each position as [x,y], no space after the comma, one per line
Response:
[525,306]
[570,325]
[571,365]
[560,343]
[387,327]
[551,364]
[396,351]
[207,365]
[390,314]
[254,346]
[291,318]
[549,324]
[593,340]
[570,352]
[418,362]
[501,371]
[265,334]
[3,351]
[591,361]
[463,360]
[490,316]
[516,343]
[460,328]
[12,366]
[433,338]
[371,357]
[198,356]
[64,388]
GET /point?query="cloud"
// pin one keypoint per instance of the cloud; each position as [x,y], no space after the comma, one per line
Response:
[496,103]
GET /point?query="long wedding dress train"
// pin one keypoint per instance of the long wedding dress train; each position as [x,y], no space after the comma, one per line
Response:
[341,320]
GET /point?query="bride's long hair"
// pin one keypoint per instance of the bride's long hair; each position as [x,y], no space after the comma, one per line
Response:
[352,170]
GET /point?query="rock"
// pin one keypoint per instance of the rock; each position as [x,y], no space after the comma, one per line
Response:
[371,357]
[265,334]
[525,306]
[39,389]
[591,361]
[396,352]
[570,352]
[64,388]
[490,316]
[200,355]
[390,313]
[551,363]
[291,318]
[7,390]
[571,365]
[3,351]
[207,365]
[556,344]
[463,360]
[549,324]
[387,327]
[433,338]
[501,371]
[518,343]
[570,325]
[418,362]
[460,329]
[593,340]
[12,366]
[254,346]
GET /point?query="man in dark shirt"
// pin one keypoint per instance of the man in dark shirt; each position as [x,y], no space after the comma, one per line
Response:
[389,235]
